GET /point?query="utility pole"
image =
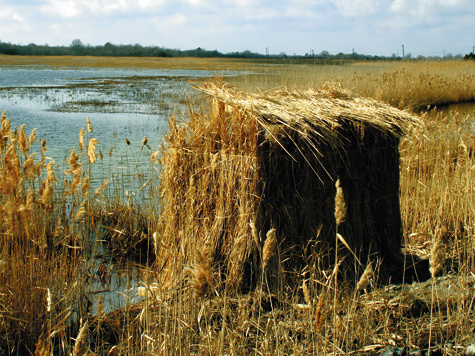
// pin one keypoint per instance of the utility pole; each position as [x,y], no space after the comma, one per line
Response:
[402,51]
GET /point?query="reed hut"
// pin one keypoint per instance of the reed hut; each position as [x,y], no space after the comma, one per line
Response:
[249,188]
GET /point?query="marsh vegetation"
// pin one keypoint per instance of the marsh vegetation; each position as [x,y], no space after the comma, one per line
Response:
[77,249]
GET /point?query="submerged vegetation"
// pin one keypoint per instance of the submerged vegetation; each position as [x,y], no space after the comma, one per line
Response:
[62,242]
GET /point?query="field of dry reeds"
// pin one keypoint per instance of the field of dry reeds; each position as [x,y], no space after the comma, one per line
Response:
[62,242]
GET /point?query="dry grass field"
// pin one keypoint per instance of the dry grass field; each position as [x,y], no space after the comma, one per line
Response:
[53,227]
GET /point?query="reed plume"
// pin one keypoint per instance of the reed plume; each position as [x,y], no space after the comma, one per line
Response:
[437,257]
[91,150]
[254,233]
[306,293]
[86,185]
[80,347]
[23,141]
[82,134]
[269,246]
[101,188]
[50,175]
[89,125]
[44,148]
[74,165]
[154,157]
[47,194]
[340,205]
[318,314]
[365,277]
[29,168]
[32,137]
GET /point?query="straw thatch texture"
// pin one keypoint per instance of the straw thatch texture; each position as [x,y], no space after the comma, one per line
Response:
[258,162]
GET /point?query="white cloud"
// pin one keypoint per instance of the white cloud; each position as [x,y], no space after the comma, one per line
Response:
[143,4]
[194,2]
[10,14]
[66,9]
[178,19]
[75,8]
[354,8]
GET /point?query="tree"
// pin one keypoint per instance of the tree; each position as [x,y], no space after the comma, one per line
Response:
[77,47]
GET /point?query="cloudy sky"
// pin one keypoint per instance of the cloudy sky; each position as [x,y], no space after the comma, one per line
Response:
[377,27]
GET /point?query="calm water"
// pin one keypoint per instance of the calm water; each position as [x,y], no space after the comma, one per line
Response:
[121,104]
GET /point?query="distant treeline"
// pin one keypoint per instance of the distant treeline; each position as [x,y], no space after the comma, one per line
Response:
[78,48]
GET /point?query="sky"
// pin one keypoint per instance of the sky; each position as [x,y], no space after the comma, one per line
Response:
[374,27]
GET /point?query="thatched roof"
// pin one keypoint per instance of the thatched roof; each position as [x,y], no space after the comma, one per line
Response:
[318,111]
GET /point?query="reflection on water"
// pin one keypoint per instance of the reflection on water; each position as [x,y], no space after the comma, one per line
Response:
[464,108]
[113,287]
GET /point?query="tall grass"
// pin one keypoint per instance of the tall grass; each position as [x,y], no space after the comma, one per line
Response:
[51,227]
[437,195]
[405,85]
[53,224]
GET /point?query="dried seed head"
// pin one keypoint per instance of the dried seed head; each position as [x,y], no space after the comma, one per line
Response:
[29,166]
[30,199]
[269,246]
[306,293]
[23,141]
[32,137]
[80,213]
[101,188]
[82,134]
[91,150]
[437,257]
[365,277]
[12,164]
[73,162]
[254,233]
[89,125]
[340,205]
[43,146]
[50,175]
[47,194]
[86,185]
[154,156]
[80,347]
[318,314]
